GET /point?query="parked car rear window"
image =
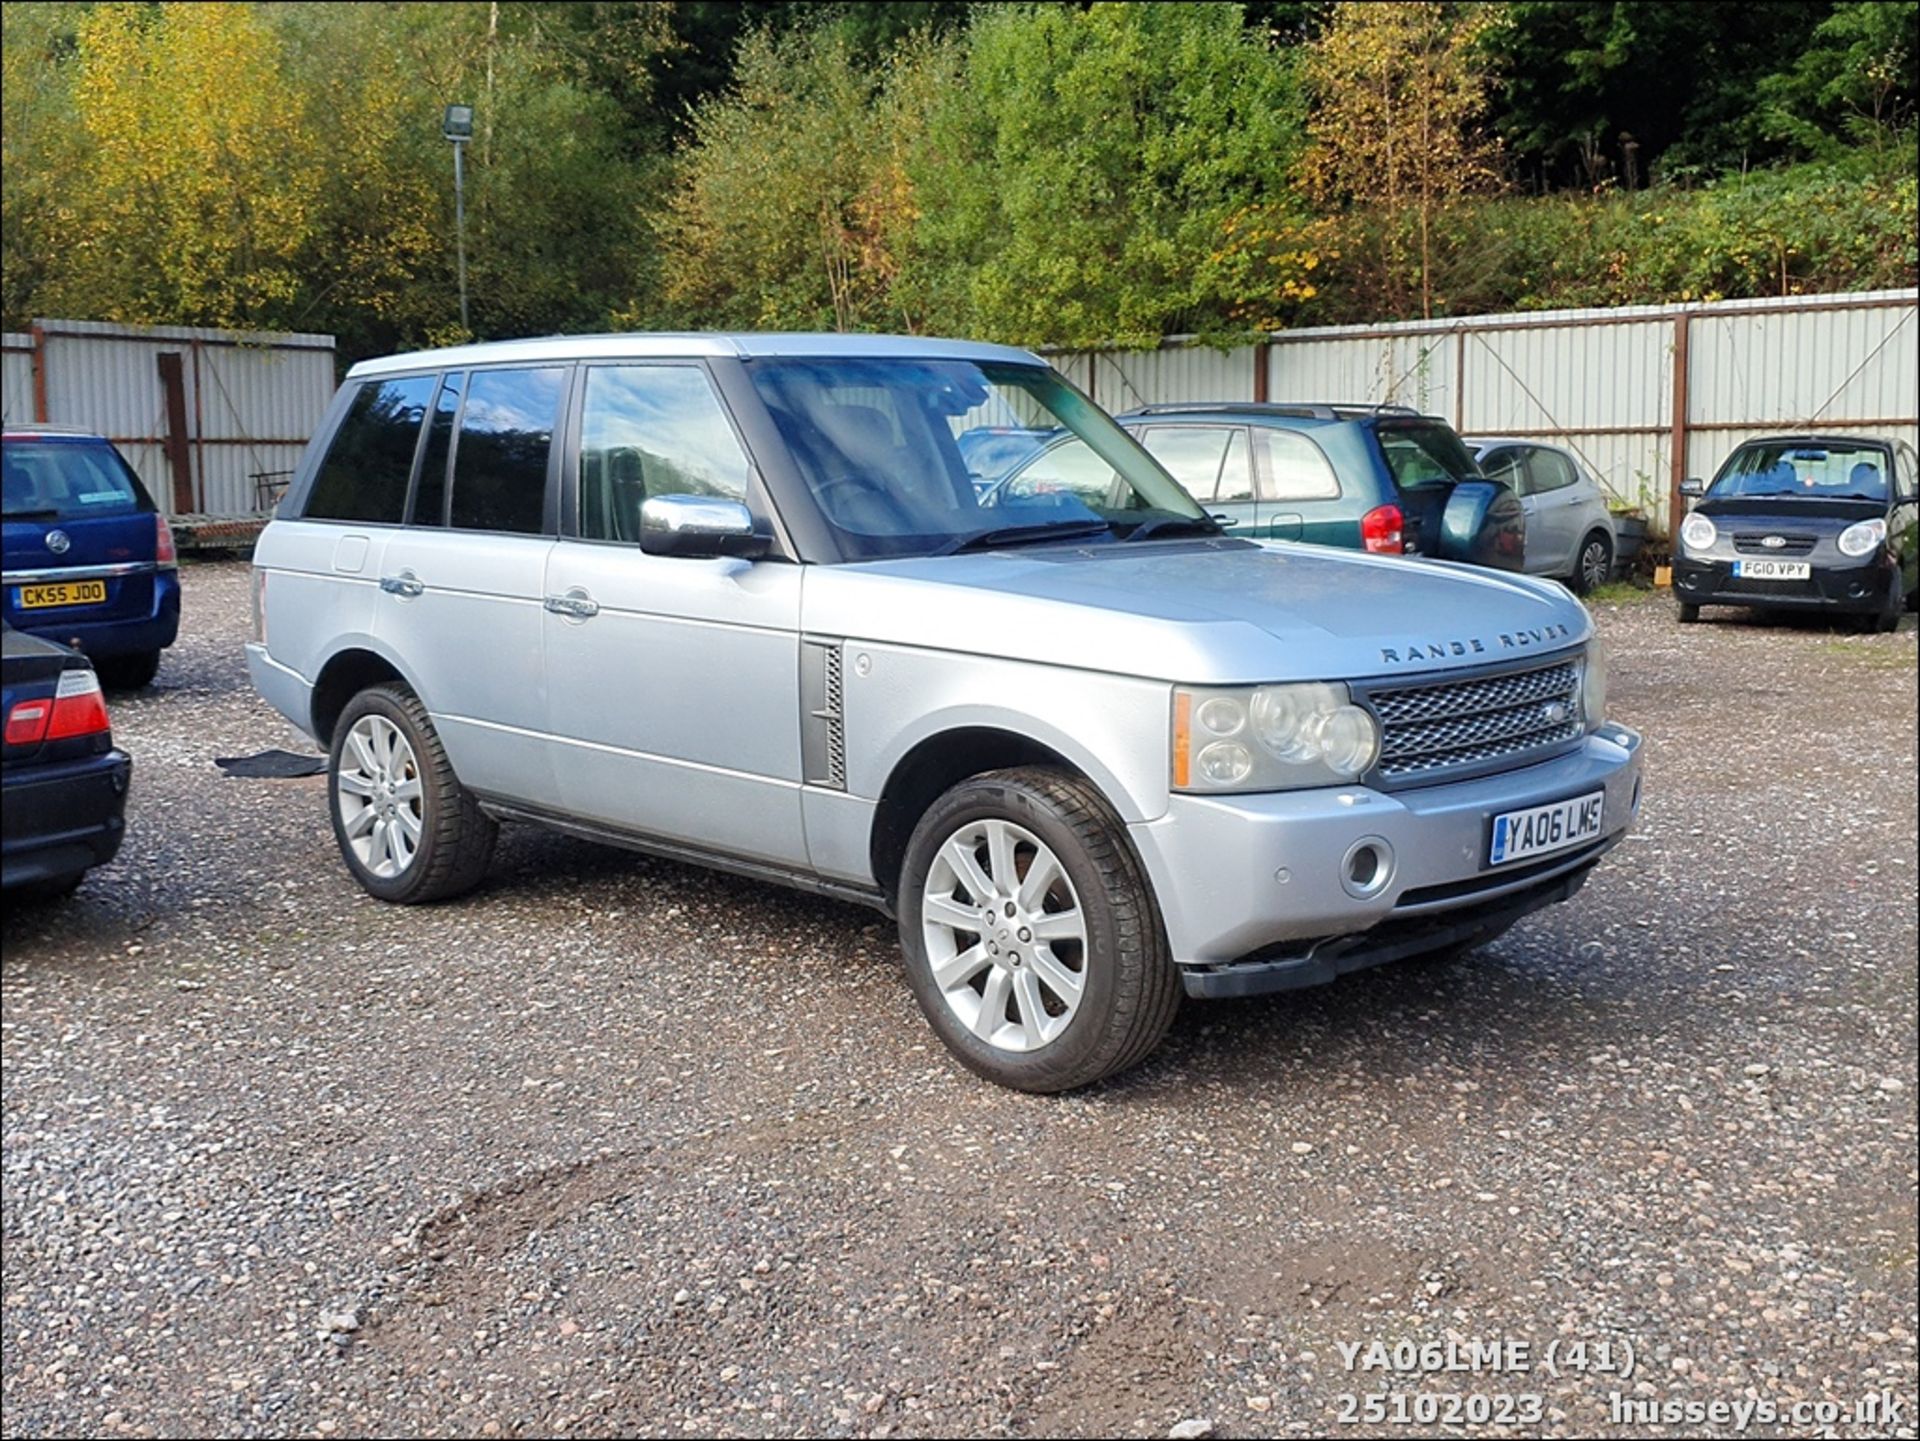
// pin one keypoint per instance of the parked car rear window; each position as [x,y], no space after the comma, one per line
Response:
[365,474]
[1818,472]
[500,464]
[1423,454]
[68,480]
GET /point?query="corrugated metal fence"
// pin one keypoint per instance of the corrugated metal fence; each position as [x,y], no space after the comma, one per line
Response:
[211,419]
[1648,395]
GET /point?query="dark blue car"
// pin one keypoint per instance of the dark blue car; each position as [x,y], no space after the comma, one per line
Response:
[89,558]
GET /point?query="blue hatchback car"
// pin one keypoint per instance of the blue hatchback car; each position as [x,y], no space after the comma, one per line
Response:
[89,559]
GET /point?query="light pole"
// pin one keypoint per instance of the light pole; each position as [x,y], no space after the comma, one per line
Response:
[457,127]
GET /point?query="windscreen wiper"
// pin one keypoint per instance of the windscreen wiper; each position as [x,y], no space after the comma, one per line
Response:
[1170,524]
[1019,535]
[30,515]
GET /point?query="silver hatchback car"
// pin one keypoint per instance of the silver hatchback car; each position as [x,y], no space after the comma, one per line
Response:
[1570,531]
[735,600]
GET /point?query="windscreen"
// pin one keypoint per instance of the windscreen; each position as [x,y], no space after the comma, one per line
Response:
[883,446]
[68,480]
[1815,472]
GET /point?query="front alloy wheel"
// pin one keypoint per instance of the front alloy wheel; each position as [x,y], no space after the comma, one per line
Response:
[1033,943]
[1004,935]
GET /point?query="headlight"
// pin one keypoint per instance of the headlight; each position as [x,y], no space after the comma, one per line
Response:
[1864,538]
[1269,738]
[1593,685]
[1697,532]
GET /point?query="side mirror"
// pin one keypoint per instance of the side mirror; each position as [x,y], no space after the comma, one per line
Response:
[1693,487]
[698,525]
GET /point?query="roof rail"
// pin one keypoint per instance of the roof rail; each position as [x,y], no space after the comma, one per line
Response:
[1305,410]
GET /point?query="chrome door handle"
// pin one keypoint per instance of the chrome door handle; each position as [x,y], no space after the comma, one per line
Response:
[573,605]
[405,585]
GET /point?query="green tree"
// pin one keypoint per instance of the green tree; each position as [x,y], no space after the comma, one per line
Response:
[195,199]
[1853,83]
[1112,174]
[791,201]
[1399,92]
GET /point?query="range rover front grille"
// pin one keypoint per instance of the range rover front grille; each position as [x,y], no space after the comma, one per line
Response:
[1437,730]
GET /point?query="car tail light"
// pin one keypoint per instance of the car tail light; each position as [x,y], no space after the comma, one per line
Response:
[163,551]
[79,709]
[1380,530]
[27,722]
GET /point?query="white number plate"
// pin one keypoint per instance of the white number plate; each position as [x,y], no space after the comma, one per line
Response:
[1772,569]
[1540,829]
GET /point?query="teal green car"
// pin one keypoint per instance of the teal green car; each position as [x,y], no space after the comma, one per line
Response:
[1383,479]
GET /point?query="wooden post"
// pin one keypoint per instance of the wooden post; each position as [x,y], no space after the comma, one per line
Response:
[39,372]
[1677,441]
[173,389]
[1260,353]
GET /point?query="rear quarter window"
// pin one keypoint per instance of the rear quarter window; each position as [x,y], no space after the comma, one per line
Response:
[68,480]
[364,476]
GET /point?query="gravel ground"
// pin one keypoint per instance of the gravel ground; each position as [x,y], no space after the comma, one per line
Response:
[615,1145]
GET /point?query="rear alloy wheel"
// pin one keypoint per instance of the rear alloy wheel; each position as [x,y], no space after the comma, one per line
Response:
[408,830]
[1032,940]
[1595,565]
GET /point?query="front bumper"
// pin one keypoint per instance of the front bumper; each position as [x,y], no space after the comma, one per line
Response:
[1860,588]
[1259,882]
[64,818]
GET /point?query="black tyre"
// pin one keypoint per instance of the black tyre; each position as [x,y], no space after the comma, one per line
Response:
[128,672]
[1032,940]
[1593,566]
[1689,613]
[44,892]
[408,830]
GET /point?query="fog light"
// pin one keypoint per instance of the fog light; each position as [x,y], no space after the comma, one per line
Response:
[1367,868]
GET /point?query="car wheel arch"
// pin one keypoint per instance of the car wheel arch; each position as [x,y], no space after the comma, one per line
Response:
[937,763]
[347,672]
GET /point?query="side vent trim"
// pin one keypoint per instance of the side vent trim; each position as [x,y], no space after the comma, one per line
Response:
[823,731]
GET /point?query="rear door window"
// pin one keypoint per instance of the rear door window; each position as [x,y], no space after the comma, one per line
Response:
[68,480]
[1293,468]
[365,474]
[500,463]
[1551,470]
[430,493]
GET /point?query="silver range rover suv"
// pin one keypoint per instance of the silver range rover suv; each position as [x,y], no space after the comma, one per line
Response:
[736,600]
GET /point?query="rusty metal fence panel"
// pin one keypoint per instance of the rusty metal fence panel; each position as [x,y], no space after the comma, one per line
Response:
[1646,394]
[248,403]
